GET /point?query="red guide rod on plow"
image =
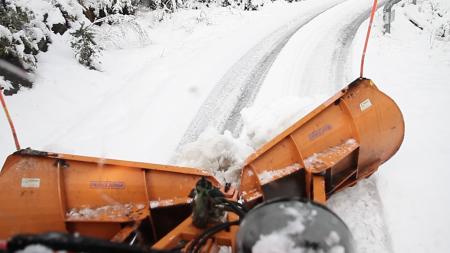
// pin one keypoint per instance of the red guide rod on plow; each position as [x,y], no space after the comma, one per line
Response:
[372,14]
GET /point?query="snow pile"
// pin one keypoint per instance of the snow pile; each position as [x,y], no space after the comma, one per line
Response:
[368,227]
[220,154]
[224,155]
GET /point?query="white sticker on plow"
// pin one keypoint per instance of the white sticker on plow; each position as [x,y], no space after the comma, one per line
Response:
[366,104]
[31,182]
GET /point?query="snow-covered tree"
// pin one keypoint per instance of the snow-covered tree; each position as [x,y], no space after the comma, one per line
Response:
[443,31]
[86,49]
[22,37]
[96,9]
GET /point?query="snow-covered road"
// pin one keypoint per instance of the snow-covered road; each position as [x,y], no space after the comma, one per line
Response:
[239,86]
[145,98]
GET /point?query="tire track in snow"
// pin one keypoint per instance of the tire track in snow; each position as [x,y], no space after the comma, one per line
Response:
[239,86]
[341,73]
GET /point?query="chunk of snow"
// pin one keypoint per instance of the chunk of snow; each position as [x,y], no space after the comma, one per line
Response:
[5,33]
[109,211]
[35,248]
[270,175]
[219,154]
[162,203]
[316,159]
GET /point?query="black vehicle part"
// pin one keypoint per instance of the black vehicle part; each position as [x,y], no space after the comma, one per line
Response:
[301,224]
[74,243]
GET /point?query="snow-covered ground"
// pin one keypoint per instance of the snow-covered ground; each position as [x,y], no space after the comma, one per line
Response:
[141,104]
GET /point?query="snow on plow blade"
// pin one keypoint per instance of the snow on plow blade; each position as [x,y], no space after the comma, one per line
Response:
[342,141]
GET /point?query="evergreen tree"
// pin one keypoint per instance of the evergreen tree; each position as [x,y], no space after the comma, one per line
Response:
[86,49]
[21,39]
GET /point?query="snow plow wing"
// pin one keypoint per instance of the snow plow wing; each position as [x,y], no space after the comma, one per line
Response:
[44,192]
[342,141]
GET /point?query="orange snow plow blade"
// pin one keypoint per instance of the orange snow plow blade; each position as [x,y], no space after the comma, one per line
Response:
[44,192]
[342,141]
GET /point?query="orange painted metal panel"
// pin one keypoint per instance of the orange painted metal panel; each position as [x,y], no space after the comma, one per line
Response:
[345,139]
[29,201]
[59,192]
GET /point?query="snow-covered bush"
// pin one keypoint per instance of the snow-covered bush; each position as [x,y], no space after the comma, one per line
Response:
[247,5]
[72,12]
[22,37]
[96,9]
[253,5]
[430,16]
[120,31]
[27,27]
[443,31]
[86,49]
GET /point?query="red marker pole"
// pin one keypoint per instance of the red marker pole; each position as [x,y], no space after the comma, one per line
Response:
[372,14]
[11,124]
